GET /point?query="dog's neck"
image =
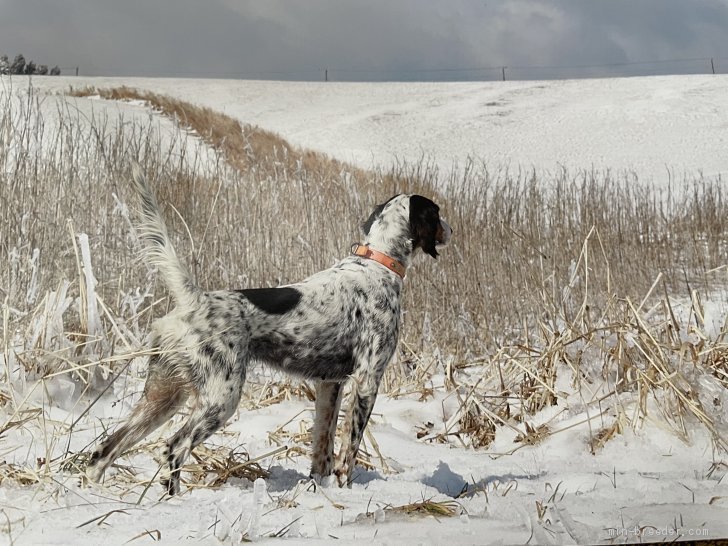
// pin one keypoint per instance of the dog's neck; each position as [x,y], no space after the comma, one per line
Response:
[364,251]
[390,234]
[396,247]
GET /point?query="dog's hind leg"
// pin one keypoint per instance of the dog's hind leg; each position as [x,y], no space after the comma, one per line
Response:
[328,400]
[213,409]
[161,400]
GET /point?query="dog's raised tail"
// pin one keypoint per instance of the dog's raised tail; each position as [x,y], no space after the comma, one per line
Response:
[158,249]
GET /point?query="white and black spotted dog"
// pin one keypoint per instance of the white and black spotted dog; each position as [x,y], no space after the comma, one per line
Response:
[338,324]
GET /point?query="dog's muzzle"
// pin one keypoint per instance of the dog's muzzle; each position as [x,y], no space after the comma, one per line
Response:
[444,232]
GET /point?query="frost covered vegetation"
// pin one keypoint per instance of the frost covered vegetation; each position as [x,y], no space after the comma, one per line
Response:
[19,66]
[578,290]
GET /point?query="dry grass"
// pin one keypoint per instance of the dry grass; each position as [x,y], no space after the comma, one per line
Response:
[604,435]
[476,424]
[17,474]
[517,236]
[424,508]
[429,508]
[222,464]
[716,360]
[539,289]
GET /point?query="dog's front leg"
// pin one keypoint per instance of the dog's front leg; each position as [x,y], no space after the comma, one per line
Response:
[328,400]
[363,395]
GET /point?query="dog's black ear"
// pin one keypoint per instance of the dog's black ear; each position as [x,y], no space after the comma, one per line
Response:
[424,222]
[367,226]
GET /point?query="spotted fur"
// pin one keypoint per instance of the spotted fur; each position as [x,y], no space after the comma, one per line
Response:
[338,324]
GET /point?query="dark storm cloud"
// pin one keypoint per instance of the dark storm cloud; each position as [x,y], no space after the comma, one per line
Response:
[391,38]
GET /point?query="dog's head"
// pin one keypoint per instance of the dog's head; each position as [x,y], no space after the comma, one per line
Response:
[406,223]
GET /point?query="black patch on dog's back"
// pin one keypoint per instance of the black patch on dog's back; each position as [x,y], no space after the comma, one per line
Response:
[274,301]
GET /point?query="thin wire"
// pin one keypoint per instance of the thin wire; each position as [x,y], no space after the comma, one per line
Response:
[332,71]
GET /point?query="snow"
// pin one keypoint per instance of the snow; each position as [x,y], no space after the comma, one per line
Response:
[83,114]
[645,481]
[644,484]
[658,127]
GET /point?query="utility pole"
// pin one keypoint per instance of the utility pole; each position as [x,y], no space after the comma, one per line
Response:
[503,70]
[712,66]
[326,74]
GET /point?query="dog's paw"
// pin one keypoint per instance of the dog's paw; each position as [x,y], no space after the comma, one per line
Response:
[171,485]
[94,474]
[342,475]
[324,481]
[93,470]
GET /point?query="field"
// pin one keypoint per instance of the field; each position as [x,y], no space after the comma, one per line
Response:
[562,372]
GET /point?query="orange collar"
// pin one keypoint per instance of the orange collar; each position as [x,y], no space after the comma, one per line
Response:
[390,263]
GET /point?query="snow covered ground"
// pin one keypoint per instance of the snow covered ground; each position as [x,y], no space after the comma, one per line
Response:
[656,127]
[644,484]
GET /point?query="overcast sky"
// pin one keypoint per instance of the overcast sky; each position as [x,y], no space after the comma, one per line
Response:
[365,39]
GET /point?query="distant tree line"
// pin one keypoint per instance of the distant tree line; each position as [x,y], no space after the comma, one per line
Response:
[19,66]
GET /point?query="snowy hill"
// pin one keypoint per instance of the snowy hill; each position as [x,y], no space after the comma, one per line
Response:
[653,126]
